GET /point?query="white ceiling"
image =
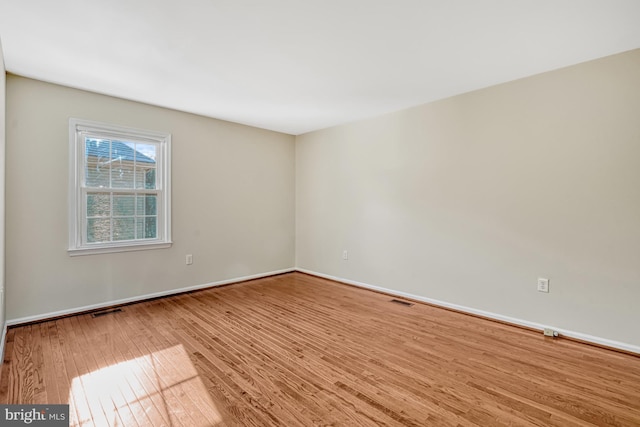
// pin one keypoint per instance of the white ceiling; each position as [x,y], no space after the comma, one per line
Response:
[299,65]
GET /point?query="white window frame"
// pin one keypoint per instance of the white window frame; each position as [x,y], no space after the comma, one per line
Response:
[78,129]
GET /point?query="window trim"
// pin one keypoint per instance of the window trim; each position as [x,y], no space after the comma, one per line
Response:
[77,218]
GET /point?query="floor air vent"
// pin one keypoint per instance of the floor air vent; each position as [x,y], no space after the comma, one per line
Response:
[105,312]
[406,303]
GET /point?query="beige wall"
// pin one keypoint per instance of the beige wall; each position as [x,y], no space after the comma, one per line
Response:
[232,197]
[2,190]
[469,200]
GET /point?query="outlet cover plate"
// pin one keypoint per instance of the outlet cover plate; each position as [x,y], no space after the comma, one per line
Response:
[543,285]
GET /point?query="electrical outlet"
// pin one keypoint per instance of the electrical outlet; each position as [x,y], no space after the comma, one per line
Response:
[543,285]
[345,255]
[189,259]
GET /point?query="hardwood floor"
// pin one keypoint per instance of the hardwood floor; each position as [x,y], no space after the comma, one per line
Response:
[296,350]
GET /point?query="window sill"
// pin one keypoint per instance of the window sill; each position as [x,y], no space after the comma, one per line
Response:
[124,248]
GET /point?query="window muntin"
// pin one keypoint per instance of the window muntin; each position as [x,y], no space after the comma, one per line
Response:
[119,187]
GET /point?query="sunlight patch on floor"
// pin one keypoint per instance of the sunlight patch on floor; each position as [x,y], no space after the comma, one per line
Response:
[161,388]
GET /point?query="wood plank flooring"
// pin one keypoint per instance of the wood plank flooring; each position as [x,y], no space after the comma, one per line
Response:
[295,350]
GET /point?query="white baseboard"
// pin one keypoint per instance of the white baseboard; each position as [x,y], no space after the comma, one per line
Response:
[75,310]
[2,345]
[520,322]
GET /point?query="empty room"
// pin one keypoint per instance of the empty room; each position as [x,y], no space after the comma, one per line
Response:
[334,213]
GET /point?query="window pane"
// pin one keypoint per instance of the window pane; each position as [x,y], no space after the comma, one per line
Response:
[96,175]
[124,229]
[145,178]
[122,174]
[150,203]
[146,155]
[145,166]
[98,230]
[147,204]
[98,204]
[147,227]
[140,177]
[123,205]
[96,162]
[150,179]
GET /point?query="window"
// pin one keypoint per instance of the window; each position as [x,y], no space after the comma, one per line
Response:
[119,188]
